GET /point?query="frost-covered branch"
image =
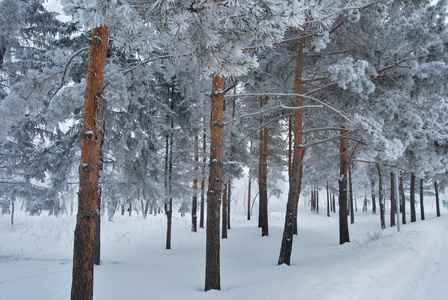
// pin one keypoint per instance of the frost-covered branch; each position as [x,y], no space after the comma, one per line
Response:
[296,95]
[155,59]
[382,164]
[262,112]
[307,145]
[322,129]
[64,73]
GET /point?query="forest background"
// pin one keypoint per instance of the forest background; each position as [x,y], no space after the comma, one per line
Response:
[328,95]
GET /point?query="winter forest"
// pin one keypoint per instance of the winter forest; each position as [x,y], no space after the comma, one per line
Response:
[224,131]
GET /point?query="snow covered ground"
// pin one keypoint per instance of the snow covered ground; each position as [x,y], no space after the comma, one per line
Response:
[35,259]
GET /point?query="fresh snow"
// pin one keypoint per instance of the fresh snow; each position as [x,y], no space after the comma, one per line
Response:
[36,259]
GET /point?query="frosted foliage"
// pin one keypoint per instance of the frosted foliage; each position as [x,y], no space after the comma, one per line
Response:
[11,14]
[117,97]
[216,32]
[354,75]
[65,103]
[321,42]
[11,110]
[127,29]
[353,16]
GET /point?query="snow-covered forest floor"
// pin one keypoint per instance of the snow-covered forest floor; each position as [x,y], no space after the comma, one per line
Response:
[35,259]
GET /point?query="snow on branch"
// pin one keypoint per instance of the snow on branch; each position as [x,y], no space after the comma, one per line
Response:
[331,107]
[64,73]
[262,112]
[345,135]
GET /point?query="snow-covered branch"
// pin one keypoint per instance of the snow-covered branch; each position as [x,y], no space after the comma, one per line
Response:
[262,112]
[307,96]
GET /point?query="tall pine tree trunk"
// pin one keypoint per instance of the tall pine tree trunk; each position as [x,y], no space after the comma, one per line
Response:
[204,161]
[393,203]
[381,197]
[344,236]
[352,211]
[422,207]
[212,256]
[436,190]
[402,200]
[97,238]
[82,281]
[372,185]
[224,211]
[12,212]
[328,201]
[169,174]
[412,198]
[296,173]
[262,181]
[194,201]
[229,197]
[249,188]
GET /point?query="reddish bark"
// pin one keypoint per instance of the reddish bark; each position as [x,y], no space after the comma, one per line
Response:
[296,173]
[212,256]
[82,284]
[344,236]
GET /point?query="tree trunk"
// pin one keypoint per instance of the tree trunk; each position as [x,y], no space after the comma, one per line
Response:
[296,173]
[393,203]
[262,181]
[204,161]
[334,203]
[224,211]
[412,198]
[249,188]
[82,282]
[145,211]
[422,208]
[169,159]
[212,259]
[344,236]
[229,197]
[402,200]
[12,212]
[436,190]
[352,211]
[372,185]
[381,197]
[317,199]
[194,201]
[97,237]
[328,201]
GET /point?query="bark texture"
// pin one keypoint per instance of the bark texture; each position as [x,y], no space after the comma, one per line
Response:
[82,281]
[393,203]
[381,197]
[194,201]
[263,181]
[224,212]
[296,173]
[204,162]
[412,198]
[212,256]
[402,200]
[344,236]
[436,190]
[422,208]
